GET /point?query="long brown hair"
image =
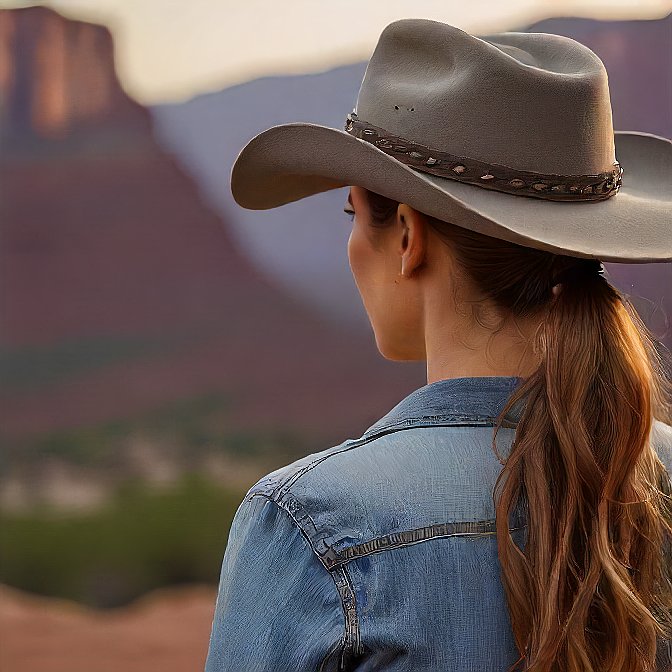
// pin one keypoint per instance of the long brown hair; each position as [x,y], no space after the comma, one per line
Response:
[592,589]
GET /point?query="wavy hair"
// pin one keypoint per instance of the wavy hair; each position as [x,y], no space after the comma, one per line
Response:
[591,591]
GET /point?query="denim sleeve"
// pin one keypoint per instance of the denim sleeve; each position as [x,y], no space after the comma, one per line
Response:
[277,606]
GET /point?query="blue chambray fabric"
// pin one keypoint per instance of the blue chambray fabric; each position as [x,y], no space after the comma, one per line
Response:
[380,553]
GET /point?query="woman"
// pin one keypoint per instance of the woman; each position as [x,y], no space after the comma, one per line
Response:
[515,512]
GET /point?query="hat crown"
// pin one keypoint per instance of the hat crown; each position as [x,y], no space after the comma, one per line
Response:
[532,101]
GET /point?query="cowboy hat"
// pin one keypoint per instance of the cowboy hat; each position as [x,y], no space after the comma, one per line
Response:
[509,135]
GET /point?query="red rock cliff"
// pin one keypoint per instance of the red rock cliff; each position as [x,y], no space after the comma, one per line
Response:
[57,75]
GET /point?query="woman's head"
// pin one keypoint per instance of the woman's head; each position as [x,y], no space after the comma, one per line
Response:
[592,589]
[466,303]
[377,252]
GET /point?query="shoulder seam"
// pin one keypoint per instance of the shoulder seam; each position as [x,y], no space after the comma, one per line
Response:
[299,516]
[350,641]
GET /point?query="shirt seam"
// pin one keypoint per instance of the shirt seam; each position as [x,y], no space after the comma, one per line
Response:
[299,516]
[350,640]
[395,540]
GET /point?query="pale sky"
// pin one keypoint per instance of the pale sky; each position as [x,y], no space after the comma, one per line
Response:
[170,50]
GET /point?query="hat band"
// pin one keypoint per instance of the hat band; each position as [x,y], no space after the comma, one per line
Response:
[488,175]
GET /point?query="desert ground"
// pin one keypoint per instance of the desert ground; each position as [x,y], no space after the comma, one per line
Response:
[165,630]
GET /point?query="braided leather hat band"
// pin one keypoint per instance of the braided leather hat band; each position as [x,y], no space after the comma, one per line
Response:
[488,175]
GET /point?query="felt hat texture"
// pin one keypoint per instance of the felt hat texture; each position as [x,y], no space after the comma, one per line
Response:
[509,134]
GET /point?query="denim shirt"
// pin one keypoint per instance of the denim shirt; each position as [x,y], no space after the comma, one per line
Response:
[380,553]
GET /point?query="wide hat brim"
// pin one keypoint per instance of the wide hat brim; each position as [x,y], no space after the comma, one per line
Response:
[288,162]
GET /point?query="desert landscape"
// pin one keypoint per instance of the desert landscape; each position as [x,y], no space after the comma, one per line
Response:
[166,630]
[161,349]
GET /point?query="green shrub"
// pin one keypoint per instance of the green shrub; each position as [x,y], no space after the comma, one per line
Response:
[143,539]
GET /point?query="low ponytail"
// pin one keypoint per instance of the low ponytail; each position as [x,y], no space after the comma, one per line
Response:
[591,591]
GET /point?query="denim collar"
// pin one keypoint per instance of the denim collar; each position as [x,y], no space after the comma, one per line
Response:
[477,399]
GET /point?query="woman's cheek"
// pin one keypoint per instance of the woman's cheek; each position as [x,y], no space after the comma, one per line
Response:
[362,264]
[356,256]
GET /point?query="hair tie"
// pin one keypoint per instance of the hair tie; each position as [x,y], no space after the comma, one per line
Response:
[578,271]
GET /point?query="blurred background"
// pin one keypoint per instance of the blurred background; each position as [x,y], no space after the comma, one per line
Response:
[162,348]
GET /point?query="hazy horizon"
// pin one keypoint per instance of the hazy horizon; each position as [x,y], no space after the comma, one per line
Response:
[170,52]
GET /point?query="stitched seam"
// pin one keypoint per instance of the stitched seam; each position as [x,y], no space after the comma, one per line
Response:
[350,638]
[333,558]
[360,552]
[291,507]
[282,488]
[450,420]
[352,641]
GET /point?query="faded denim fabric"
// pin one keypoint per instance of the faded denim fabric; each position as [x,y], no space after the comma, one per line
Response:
[380,553]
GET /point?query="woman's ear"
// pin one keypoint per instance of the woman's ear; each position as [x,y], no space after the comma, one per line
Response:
[413,244]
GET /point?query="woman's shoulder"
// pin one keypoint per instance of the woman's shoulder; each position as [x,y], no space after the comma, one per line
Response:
[397,482]
[397,457]
[277,483]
